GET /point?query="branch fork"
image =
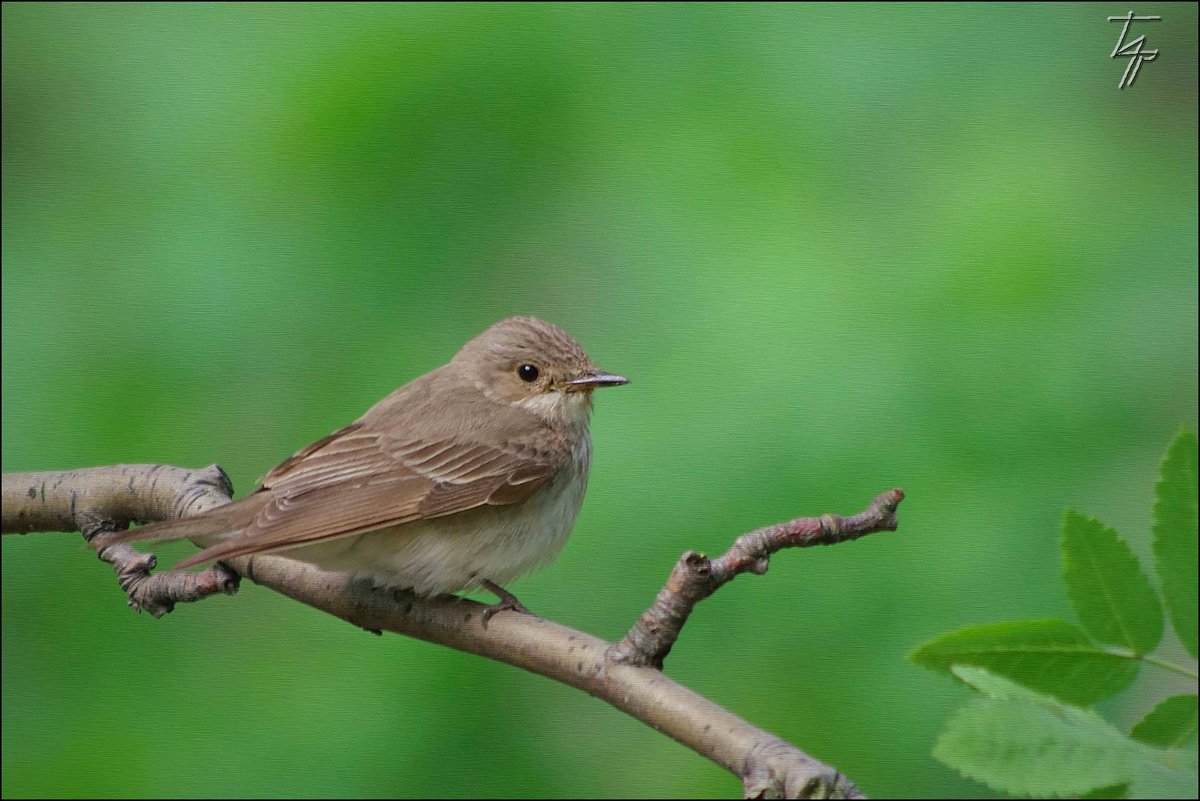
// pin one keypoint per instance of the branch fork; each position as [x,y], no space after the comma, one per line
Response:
[696,577]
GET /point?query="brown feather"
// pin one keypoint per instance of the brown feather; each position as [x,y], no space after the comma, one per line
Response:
[364,476]
[220,520]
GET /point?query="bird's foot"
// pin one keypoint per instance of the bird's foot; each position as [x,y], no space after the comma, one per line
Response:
[507,601]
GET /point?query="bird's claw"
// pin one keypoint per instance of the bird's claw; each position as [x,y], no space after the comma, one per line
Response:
[507,601]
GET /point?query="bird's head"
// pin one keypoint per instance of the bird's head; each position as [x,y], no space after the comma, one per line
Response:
[529,363]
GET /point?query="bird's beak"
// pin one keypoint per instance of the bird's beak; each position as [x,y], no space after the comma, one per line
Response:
[590,379]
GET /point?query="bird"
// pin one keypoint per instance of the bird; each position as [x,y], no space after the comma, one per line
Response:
[468,476]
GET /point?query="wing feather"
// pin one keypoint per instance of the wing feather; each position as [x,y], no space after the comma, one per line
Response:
[358,480]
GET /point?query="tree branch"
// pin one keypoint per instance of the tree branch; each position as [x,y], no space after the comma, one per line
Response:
[696,577]
[625,675]
[102,499]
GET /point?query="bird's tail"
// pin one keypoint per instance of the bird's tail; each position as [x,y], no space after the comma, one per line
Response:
[221,520]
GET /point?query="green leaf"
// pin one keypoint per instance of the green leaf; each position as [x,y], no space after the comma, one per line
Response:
[1015,739]
[1106,585]
[1027,744]
[1171,724]
[1175,538]
[1154,779]
[994,685]
[1048,655]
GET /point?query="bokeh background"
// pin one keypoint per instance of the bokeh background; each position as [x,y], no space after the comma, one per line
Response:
[837,249]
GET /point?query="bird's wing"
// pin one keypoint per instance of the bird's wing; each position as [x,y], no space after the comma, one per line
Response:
[359,479]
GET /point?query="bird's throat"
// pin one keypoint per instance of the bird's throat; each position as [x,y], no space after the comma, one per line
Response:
[560,408]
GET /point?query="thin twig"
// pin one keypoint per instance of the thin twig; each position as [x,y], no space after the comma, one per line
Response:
[695,576]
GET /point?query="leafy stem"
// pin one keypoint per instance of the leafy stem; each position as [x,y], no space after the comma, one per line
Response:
[1029,731]
[1165,665]
[1125,653]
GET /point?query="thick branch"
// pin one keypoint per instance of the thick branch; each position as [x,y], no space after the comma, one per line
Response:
[111,497]
[695,576]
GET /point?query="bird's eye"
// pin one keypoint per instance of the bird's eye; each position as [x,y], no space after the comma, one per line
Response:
[528,372]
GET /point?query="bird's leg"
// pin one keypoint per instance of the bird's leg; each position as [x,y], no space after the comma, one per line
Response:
[507,601]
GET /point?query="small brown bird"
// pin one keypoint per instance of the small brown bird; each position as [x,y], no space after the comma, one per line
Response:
[469,475]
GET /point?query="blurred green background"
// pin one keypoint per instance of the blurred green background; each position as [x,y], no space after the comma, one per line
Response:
[836,249]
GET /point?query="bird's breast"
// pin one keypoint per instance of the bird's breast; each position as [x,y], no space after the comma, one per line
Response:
[459,551]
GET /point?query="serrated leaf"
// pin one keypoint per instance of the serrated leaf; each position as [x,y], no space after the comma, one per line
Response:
[1020,746]
[1171,724]
[1153,779]
[1048,655]
[1175,549]
[1106,585]
[1024,742]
